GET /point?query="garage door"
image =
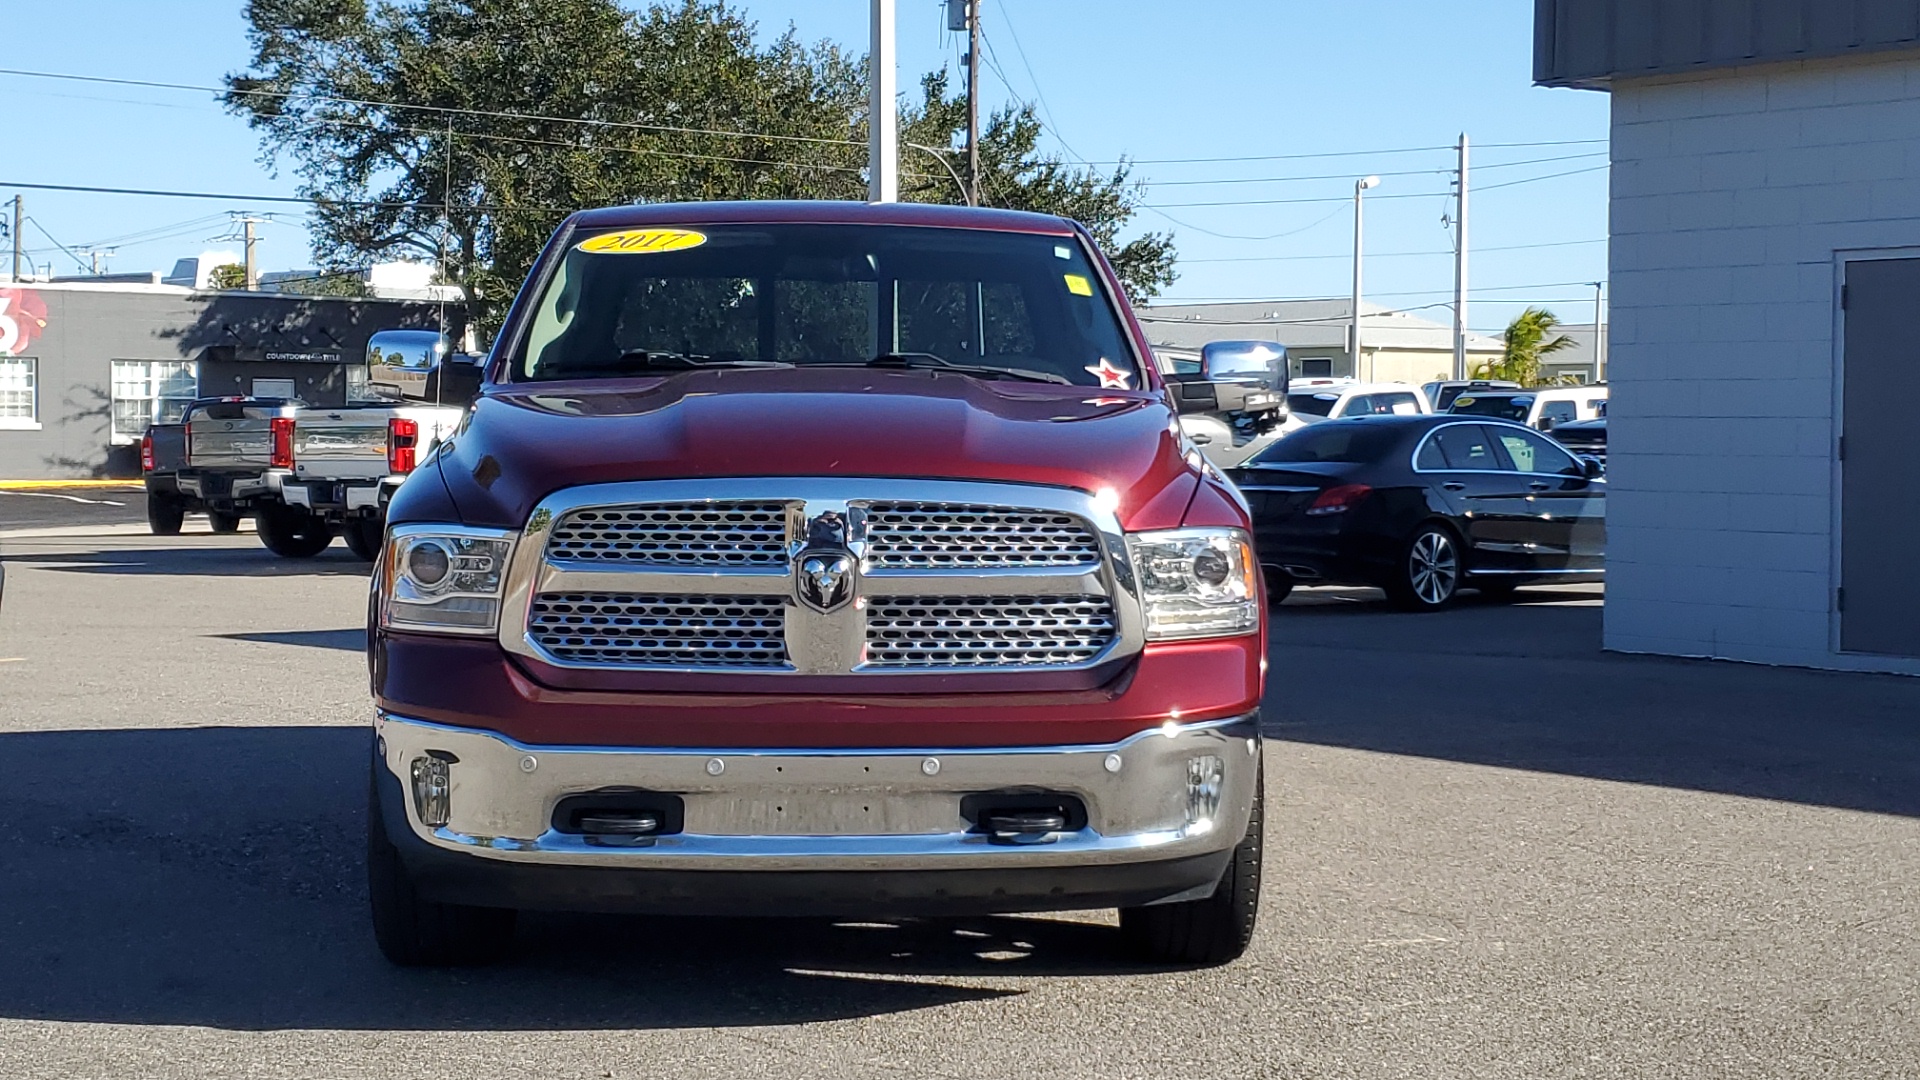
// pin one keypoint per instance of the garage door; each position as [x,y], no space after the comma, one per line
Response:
[1880,463]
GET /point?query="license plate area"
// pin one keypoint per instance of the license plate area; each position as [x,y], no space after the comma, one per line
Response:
[816,812]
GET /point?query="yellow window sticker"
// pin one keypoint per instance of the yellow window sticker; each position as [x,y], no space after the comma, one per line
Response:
[1463,401]
[1078,285]
[643,241]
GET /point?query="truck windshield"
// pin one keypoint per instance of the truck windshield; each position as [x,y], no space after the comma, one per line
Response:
[1504,406]
[661,299]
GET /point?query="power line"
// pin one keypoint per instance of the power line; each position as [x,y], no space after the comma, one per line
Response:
[1537,179]
[301,200]
[1393,254]
[445,110]
[1407,292]
[77,260]
[1350,176]
[1372,198]
[1298,202]
[1239,236]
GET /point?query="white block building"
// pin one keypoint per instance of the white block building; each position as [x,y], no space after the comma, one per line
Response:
[1764,466]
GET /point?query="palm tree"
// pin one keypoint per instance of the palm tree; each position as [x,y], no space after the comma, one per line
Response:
[1529,338]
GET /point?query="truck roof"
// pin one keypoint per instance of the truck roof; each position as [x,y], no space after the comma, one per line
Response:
[823,212]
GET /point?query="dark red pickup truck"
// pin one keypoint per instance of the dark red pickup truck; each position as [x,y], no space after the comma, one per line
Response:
[817,559]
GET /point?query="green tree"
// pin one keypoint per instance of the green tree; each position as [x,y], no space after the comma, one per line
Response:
[227,276]
[1529,339]
[465,130]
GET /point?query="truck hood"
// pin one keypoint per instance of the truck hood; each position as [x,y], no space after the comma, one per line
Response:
[522,443]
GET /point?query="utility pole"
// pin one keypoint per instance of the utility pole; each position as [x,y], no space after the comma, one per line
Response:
[883,125]
[1359,188]
[1599,336]
[252,275]
[973,102]
[1460,270]
[19,221]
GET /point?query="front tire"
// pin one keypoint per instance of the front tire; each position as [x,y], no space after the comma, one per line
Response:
[363,536]
[292,533]
[414,932]
[1428,577]
[1213,930]
[1279,587]
[224,523]
[164,514]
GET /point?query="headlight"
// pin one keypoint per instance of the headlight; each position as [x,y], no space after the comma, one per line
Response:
[1196,583]
[444,579]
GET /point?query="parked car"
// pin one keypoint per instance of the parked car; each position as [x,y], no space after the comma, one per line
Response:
[753,584]
[1586,438]
[214,462]
[1313,400]
[1440,395]
[1423,506]
[1545,408]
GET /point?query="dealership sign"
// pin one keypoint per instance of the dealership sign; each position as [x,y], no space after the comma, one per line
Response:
[23,315]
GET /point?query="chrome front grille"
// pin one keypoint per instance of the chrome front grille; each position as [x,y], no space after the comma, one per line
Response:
[846,577]
[941,536]
[682,534]
[987,631]
[641,631]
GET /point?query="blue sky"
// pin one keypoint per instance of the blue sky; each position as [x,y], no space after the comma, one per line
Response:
[1358,84]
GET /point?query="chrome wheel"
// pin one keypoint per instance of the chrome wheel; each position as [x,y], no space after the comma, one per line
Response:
[1433,568]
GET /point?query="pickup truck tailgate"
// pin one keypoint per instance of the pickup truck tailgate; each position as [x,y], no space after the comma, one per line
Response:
[345,445]
[230,444]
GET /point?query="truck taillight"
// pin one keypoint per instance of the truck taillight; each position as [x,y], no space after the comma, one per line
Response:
[282,442]
[403,435]
[146,452]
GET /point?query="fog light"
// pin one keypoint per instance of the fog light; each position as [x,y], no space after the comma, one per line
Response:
[432,792]
[1206,778]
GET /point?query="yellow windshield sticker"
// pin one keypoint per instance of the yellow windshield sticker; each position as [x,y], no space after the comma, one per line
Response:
[643,241]
[1463,401]
[1079,286]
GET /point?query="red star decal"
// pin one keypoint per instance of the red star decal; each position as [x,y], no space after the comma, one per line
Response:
[1111,378]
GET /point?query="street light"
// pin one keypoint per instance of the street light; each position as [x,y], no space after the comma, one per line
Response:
[1359,187]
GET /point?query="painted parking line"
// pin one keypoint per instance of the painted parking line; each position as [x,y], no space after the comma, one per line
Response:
[56,495]
[16,485]
[12,659]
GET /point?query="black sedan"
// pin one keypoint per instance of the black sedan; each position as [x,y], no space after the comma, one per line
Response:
[1423,506]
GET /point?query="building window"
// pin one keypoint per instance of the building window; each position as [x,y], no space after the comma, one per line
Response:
[19,394]
[150,392]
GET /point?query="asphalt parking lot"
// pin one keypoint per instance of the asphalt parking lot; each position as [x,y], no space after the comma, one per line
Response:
[1494,851]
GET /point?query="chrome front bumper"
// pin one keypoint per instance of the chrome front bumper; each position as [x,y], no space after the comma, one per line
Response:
[833,810]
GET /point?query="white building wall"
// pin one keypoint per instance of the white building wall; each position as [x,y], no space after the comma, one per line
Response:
[1732,195]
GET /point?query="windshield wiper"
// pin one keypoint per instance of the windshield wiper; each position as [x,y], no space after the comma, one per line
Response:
[636,360]
[654,359]
[935,363]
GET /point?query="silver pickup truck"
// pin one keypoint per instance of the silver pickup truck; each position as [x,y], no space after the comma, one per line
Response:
[341,467]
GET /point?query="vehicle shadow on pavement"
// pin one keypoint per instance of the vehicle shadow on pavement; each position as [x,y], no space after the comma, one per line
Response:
[247,561]
[353,639]
[214,877]
[1530,688]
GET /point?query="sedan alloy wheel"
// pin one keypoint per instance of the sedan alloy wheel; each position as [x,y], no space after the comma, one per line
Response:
[1432,571]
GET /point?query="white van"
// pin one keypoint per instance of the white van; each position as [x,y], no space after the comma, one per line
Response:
[1542,407]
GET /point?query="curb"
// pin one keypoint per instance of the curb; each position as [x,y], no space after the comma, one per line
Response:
[18,485]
